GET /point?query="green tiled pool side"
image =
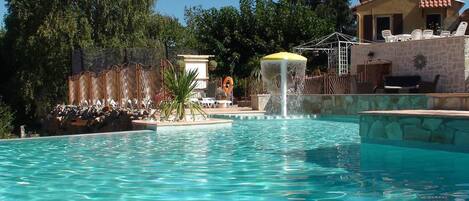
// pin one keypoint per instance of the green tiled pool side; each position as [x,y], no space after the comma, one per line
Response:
[345,104]
[416,131]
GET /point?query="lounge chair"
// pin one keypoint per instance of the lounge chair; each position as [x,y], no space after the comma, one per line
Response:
[194,100]
[388,37]
[445,34]
[416,34]
[429,87]
[208,102]
[461,31]
[427,34]
[224,103]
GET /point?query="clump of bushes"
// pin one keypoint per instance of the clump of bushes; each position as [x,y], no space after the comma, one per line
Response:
[6,121]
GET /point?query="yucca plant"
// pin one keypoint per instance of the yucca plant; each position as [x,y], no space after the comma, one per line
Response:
[181,85]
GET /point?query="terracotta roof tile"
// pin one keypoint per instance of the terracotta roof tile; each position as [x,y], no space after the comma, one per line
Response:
[435,3]
[422,3]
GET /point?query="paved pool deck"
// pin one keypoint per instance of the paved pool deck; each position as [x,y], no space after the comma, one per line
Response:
[209,121]
[422,113]
[232,110]
[153,125]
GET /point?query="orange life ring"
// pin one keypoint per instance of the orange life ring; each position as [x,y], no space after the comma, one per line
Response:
[228,85]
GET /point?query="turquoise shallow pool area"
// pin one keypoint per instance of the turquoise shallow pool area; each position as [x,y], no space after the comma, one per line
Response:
[274,159]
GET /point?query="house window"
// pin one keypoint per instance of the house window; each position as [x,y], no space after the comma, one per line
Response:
[434,22]
[382,23]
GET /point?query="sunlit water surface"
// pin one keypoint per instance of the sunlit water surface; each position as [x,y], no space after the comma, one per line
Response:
[252,160]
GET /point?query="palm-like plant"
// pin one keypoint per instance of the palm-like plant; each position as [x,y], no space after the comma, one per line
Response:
[181,85]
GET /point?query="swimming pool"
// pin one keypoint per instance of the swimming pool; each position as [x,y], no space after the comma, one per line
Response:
[303,159]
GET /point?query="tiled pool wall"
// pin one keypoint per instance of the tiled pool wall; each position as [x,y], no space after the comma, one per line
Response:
[336,118]
[416,131]
[449,101]
[343,104]
[353,104]
[259,116]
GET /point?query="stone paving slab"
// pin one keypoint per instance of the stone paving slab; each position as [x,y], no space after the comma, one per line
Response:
[233,110]
[424,113]
[143,124]
[448,95]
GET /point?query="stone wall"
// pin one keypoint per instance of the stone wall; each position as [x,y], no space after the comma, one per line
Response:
[259,101]
[454,101]
[353,104]
[448,57]
[416,131]
[342,104]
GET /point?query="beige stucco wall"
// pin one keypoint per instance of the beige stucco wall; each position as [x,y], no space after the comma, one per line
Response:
[448,57]
[413,16]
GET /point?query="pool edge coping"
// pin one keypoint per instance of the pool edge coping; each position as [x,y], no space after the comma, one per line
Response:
[79,135]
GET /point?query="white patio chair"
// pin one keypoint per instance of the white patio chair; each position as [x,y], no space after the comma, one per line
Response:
[416,34]
[208,102]
[388,37]
[427,34]
[194,100]
[445,33]
[461,31]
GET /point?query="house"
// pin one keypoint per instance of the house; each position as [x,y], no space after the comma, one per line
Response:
[403,16]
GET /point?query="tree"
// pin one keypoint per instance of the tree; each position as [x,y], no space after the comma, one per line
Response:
[6,120]
[259,27]
[339,12]
[336,11]
[41,35]
[168,31]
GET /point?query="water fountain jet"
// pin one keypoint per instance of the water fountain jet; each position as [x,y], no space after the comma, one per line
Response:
[283,73]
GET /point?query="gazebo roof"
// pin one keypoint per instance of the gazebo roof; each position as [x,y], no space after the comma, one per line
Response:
[328,42]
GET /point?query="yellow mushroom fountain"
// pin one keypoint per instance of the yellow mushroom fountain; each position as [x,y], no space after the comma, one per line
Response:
[283,73]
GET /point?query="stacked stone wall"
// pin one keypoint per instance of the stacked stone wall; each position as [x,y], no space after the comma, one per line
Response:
[447,57]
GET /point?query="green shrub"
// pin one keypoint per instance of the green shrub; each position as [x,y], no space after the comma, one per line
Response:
[6,121]
[181,85]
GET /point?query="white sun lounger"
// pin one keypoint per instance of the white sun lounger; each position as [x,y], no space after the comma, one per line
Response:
[461,31]
[427,34]
[388,37]
[208,102]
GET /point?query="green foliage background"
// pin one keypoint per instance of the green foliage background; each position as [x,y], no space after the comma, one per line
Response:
[39,37]
[239,37]
[6,121]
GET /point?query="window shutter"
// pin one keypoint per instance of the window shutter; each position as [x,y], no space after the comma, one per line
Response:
[397,24]
[368,27]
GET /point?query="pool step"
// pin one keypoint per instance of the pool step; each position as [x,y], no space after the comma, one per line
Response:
[261,117]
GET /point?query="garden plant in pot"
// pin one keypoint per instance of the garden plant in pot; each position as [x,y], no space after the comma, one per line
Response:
[181,85]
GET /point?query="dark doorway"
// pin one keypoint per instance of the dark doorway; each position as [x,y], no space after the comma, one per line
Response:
[434,22]
[382,23]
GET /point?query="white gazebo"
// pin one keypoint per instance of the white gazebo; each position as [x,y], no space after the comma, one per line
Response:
[337,46]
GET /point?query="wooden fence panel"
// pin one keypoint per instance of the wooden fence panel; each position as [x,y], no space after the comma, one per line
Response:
[120,84]
[314,85]
[112,83]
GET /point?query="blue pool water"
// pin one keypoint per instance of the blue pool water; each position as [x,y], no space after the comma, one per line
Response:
[252,160]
